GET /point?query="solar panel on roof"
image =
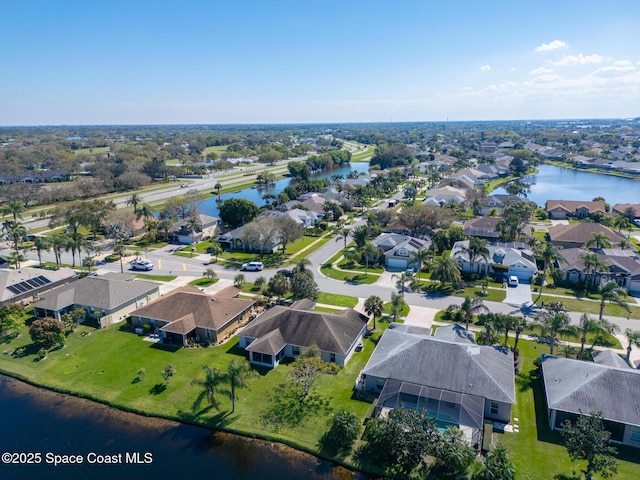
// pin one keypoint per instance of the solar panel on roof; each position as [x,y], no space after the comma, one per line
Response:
[32,282]
[21,287]
[42,280]
[14,289]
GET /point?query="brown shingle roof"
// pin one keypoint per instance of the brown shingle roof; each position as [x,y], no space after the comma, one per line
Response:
[581,233]
[207,311]
[573,205]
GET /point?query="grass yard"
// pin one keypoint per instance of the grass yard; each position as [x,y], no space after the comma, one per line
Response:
[387,310]
[349,277]
[364,156]
[92,151]
[326,309]
[580,305]
[537,452]
[157,278]
[338,300]
[203,282]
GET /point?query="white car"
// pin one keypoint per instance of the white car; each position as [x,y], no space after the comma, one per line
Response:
[252,266]
[184,185]
[512,281]
[141,265]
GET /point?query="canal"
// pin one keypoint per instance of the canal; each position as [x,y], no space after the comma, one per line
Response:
[34,420]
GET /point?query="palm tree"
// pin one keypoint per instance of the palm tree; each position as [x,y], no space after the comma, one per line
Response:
[622,223]
[165,225]
[216,250]
[373,306]
[592,265]
[58,242]
[16,258]
[75,243]
[470,307]
[301,267]
[15,208]
[145,211]
[611,292]
[238,280]
[209,386]
[519,326]
[600,240]
[552,325]
[404,277]
[238,373]
[477,249]
[421,257]
[370,253]
[41,244]
[550,255]
[587,325]
[15,232]
[360,235]
[397,305]
[633,338]
[446,270]
[217,188]
[194,225]
[344,233]
[210,273]
[134,200]
[119,250]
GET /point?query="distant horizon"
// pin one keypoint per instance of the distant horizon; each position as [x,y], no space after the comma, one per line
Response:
[250,62]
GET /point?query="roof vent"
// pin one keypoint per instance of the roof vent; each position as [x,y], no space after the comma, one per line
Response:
[213,299]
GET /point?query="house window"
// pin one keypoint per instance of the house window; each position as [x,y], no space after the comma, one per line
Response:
[494,408]
[280,355]
[635,435]
[295,351]
[332,357]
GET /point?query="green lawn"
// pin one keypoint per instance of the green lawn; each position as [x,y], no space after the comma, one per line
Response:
[92,151]
[387,309]
[580,305]
[338,300]
[537,452]
[326,309]
[357,267]
[348,277]
[157,278]
[365,155]
[203,282]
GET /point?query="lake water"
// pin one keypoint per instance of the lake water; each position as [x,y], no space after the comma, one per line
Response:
[210,205]
[36,420]
[557,183]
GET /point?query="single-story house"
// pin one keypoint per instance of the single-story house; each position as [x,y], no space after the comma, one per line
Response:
[508,260]
[457,383]
[399,249]
[189,314]
[498,202]
[181,231]
[579,234]
[487,228]
[561,209]
[35,176]
[30,283]
[621,266]
[611,358]
[622,208]
[305,218]
[575,387]
[235,240]
[106,299]
[442,195]
[286,331]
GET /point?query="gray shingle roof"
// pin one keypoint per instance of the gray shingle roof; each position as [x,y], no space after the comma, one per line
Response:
[472,369]
[96,292]
[455,333]
[9,278]
[610,358]
[331,332]
[576,386]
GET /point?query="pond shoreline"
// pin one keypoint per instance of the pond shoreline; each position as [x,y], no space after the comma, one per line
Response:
[85,403]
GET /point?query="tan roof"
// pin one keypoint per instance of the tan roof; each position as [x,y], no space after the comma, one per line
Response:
[573,205]
[581,233]
[621,207]
[207,311]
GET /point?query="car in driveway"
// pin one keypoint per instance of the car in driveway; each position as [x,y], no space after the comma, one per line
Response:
[141,265]
[252,266]
[286,272]
[512,281]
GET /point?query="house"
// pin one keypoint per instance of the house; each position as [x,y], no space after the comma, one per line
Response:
[188,314]
[503,260]
[457,383]
[30,283]
[562,209]
[498,202]
[623,208]
[235,240]
[106,299]
[487,228]
[455,333]
[621,266]
[574,387]
[35,176]
[181,231]
[579,234]
[611,358]
[305,218]
[399,249]
[442,195]
[286,331]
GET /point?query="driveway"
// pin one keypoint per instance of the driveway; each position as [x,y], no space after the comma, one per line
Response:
[518,295]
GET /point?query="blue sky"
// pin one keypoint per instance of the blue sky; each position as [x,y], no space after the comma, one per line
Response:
[270,61]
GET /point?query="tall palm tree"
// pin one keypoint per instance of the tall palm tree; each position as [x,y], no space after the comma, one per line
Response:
[397,305]
[554,324]
[165,225]
[600,240]
[302,267]
[15,208]
[212,380]
[446,270]
[119,250]
[586,326]
[519,326]
[592,265]
[145,211]
[237,376]
[622,223]
[217,188]
[421,256]
[373,306]
[216,250]
[612,293]
[134,200]
[41,244]
[370,254]
[550,255]
[58,242]
[194,225]
[404,277]
[470,307]
[344,233]
[15,232]
[633,338]
[476,249]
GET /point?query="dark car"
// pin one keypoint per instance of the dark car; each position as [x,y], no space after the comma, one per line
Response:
[286,272]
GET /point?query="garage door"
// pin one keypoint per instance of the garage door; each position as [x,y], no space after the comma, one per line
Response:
[396,263]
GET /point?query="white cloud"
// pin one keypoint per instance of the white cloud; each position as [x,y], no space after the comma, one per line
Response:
[579,59]
[485,68]
[540,71]
[623,63]
[546,47]
[612,71]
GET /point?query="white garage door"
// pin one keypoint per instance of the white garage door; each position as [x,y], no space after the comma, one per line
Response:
[396,263]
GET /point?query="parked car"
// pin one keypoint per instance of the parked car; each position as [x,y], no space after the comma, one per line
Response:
[184,185]
[286,272]
[512,281]
[252,266]
[141,265]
